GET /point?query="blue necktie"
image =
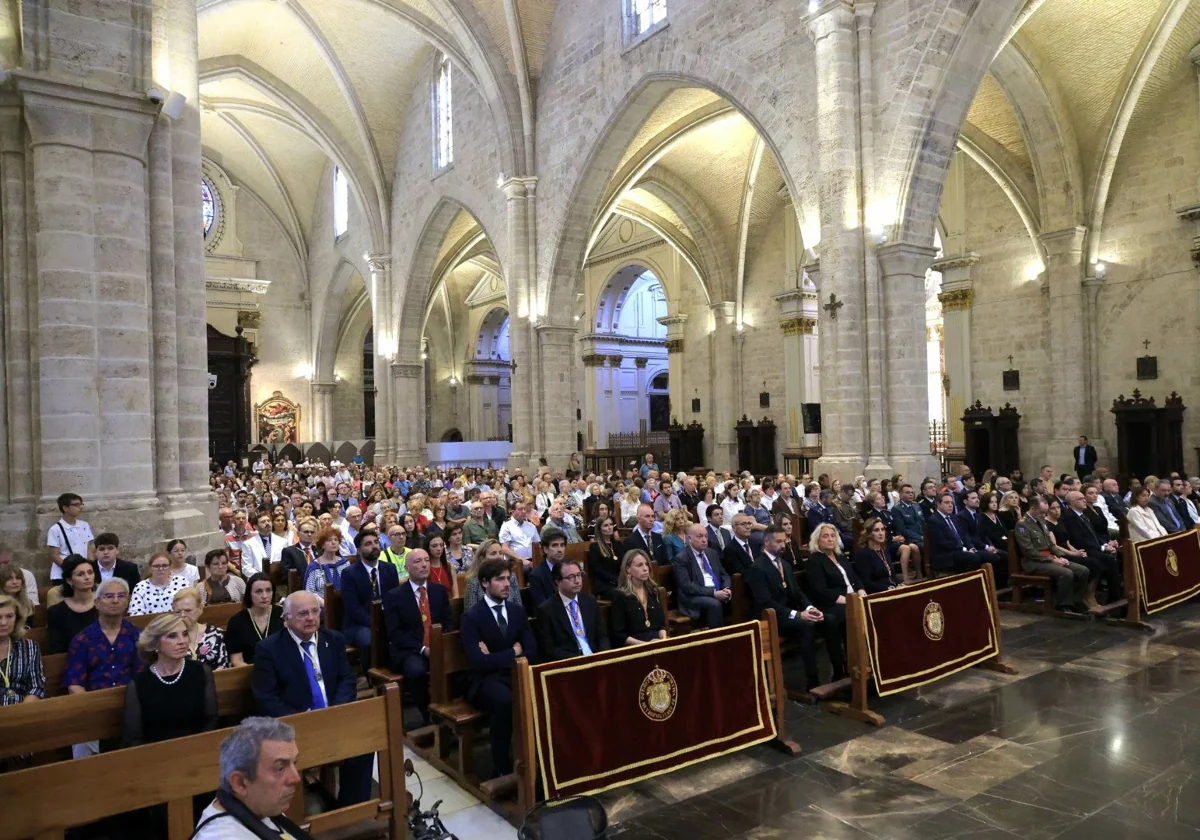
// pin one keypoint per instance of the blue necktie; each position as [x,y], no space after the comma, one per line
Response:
[577,626]
[318,699]
[953,530]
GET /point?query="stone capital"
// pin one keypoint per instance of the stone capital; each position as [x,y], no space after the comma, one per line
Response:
[87,119]
[403,371]
[1065,243]
[594,360]
[831,16]
[956,299]
[723,311]
[674,345]
[951,263]
[641,362]
[323,388]
[379,263]
[614,360]
[904,259]
[519,187]
[798,325]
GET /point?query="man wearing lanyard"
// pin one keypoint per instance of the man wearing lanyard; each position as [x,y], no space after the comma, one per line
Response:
[299,670]
[569,621]
[364,583]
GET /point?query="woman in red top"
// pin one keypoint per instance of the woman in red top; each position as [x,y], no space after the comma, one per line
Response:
[439,569]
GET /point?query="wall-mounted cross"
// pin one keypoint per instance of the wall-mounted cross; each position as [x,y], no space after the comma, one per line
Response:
[1010,361]
[833,306]
[1146,344]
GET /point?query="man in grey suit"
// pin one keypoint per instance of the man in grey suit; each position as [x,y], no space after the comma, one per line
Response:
[1165,510]
[702,581]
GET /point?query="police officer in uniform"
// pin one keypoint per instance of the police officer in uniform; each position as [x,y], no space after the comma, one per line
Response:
[1039,556]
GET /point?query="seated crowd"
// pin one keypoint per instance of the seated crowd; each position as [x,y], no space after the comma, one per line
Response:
[417,541]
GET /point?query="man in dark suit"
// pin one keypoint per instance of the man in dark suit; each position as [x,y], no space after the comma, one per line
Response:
[703,583]
[971,532]
[738,555]
[1164,508]
[410,610]
[299,670]
[772,583]
[929,500]
[494,633]
[1084,457]
[718,535]
[541,579]
[1102,558]
[298,556]
[569,621]
[823,511]
[785,503]
[1111,491]
[107,547]
[364,583]
[948,549]
[1183,505]
[644,538]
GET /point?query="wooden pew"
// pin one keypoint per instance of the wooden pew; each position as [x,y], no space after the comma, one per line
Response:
[450,711]
[217,615]
[175,771]
[61,721]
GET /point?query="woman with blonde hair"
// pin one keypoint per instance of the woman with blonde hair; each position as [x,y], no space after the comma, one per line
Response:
[21,675]
[637,614]
[487,550]
[1010,509]
[174,696]
[206,642]
[629,503]
[12,584]
[675,525]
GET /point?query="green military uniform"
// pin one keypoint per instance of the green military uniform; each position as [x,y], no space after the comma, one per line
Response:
[845,515]
[476,532]
[1038,554]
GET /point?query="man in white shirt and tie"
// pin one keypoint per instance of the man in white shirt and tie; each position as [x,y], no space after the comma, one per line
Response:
[257,550]
[518,535]
[569,621]
[718,535]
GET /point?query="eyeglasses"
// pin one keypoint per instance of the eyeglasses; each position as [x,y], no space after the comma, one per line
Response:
[114,596]
[576,576]
[158,568]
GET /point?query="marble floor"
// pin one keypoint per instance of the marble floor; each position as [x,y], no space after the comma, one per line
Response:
[1097,736]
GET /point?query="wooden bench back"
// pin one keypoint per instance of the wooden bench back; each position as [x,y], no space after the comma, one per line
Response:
[175,771]
[446,659]
[335,613]
[74,718]
[295,581]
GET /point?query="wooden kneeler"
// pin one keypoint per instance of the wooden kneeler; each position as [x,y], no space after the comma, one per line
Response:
[859,656]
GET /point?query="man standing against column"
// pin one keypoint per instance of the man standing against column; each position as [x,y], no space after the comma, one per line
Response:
[1084,457]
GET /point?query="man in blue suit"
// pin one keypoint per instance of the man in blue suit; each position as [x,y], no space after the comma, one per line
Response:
[948,546]
[300,670]
[364,583]
[541,579]
[494,633]
[410,611]
[704,585]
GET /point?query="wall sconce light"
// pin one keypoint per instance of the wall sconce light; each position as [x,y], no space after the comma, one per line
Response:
[424,356]
[453,381]
[1101,270]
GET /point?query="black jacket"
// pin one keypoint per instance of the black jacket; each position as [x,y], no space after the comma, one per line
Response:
[825,581]
[556,639]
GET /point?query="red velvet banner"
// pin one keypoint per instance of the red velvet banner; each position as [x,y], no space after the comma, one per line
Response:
[1168,569]
[925,632]
[624,715]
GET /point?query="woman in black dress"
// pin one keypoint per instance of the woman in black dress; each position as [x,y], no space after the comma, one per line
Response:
[173,697]
[637,614]
[830,578]
[994,531]
[66,619]
[258,620]
[602,563]
[871,560]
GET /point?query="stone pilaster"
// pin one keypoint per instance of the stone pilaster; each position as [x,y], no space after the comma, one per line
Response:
[382,325]
[408,390]
[956,298]
[323,402]
[643,403]
[556,346]
[593,364]
[1069,364]
[902,268]
[722,400]
[520,204]
[798,322]
[680,408]
[844,405]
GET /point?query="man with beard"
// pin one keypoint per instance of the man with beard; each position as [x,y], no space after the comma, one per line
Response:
[363,583]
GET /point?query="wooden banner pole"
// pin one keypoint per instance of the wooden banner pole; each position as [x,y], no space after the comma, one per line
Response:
[859,663]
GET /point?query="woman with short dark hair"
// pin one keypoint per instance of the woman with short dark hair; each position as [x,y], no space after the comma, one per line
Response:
[66,619]
[259,619]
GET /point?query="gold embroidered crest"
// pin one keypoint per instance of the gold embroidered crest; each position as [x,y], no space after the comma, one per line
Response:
[658,695]
[934,621]
[1172,563]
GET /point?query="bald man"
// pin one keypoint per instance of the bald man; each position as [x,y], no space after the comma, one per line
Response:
[704,585]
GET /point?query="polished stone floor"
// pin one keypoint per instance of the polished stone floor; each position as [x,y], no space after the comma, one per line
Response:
[1097,736]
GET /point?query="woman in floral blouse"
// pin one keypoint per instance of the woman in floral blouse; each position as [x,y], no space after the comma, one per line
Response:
[207,642]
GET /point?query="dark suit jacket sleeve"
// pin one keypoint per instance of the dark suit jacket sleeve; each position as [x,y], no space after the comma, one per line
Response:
[403,641]
[264,681]
[722,573]
[969,532]
[346,690]
[528,643]
[821,577]
[760,591]
[942,541]
[127,570]
[550,641]
[472,635]
[357,613]
[599,640]
[541,587]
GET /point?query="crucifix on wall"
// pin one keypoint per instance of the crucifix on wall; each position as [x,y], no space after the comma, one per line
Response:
[833,306]
[1011,377]
[1147,366]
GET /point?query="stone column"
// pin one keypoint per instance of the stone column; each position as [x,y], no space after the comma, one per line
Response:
[556,348]
[491,408]
[613,404]
[956,298]
[722,399]
[88,154]
[1069,362]
[382,326]
[593,399]
[902,268]
[475,427]
[323,400]
[643,401]
[520,197]
[842,317]
[797,325]
[408,390]
[165,372]
[680,407]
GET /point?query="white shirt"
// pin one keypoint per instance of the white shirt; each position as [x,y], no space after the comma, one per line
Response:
[228,828]
[150,599]
[316,661]
[77,538]
[519,537]
[487,599]
[1103,506]
[708,579]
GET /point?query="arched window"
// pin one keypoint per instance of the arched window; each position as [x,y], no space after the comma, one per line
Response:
[341,203]
[208,204]
[443,117]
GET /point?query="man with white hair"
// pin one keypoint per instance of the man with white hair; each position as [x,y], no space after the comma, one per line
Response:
[299,670]
[259,779]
